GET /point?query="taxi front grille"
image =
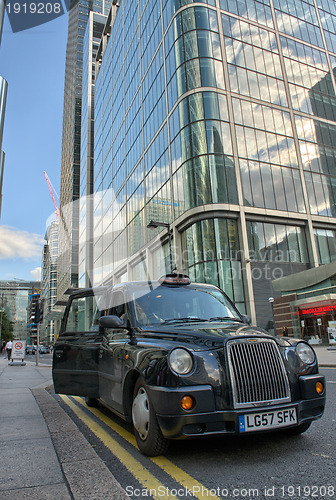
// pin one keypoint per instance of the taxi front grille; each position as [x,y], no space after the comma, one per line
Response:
[257,373]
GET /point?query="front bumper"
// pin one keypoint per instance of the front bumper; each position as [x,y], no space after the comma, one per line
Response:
[205,420]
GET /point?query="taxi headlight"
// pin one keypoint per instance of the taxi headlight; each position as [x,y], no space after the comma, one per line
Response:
[305,353]
[180,361]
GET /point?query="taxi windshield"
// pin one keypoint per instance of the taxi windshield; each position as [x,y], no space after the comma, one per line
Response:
[183,304]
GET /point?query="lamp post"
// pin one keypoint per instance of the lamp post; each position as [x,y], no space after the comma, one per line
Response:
[154,224]
[271,300]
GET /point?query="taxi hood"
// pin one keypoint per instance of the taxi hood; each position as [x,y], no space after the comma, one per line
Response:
[210,334]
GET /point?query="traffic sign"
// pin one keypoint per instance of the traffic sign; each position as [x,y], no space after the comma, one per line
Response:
[18,350]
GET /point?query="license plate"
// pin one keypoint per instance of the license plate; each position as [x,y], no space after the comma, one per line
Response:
[267,420]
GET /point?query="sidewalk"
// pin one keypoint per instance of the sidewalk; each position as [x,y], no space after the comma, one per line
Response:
[326,356]
[43,454]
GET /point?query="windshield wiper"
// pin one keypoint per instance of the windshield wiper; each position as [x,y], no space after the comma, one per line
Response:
[183,320]
[224,318]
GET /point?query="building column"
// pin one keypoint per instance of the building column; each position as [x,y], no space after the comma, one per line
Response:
[246,268]
[177,250]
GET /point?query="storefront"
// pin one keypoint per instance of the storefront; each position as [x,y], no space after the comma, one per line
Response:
[318,321]
[307,307]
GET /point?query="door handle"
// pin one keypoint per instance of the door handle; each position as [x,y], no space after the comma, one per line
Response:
[58,353]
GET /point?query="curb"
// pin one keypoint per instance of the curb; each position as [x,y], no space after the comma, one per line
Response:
[87,477]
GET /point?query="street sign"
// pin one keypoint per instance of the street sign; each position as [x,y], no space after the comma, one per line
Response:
[332,332]
[18,350]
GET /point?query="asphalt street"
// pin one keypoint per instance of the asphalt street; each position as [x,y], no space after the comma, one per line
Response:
[44,359]
[272,465]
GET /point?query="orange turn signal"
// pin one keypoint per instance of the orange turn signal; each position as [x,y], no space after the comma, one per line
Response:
[187,402]
[319,387]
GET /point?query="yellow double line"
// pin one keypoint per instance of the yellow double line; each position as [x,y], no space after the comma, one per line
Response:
[141,474]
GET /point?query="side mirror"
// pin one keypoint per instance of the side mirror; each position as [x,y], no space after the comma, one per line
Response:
[246,319]
[111,322]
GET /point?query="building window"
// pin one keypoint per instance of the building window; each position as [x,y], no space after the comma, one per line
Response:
[326,245]
[211,255]
[276,242]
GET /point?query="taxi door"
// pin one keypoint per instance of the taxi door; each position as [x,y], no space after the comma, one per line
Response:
[76,352]
[111,356]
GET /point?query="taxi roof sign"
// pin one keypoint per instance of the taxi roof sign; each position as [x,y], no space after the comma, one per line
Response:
[175,279]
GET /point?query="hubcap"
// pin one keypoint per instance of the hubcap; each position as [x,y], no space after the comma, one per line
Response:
[140,413]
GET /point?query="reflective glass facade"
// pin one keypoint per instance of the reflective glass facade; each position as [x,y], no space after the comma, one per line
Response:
[93,34]
[71,142]
[48,329]
[219,118]
[15,297]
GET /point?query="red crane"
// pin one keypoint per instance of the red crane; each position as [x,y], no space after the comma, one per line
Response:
[52,194]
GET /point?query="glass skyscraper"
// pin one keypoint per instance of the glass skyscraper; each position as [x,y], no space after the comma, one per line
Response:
[71,142]
[219,118]
[51,315]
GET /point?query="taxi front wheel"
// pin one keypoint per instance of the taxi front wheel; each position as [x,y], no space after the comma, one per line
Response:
[147,432]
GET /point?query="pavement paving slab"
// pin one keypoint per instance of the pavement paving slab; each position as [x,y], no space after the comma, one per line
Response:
[50,492]
[28,462]
[28,409]
[10,426]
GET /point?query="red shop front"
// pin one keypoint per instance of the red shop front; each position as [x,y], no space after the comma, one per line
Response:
[318,321]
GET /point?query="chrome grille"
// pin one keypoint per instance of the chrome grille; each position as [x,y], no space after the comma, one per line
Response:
[257,373]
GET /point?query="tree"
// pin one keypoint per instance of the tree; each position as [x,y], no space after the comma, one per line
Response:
[7,327]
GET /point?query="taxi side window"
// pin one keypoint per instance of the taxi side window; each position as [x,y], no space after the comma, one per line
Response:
[98,313]
[80,314]
[118,305]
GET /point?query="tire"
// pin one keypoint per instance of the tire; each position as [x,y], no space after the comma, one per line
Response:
[147,432]
[92,402]
[300,429]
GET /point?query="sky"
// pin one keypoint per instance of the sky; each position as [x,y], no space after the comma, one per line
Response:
[32,61]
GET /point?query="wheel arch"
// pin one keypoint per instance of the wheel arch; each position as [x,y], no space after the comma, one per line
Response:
[128,389]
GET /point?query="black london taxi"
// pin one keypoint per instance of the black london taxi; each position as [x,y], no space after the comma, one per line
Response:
[178,360]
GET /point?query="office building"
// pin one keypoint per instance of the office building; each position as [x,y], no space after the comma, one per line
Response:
[15,299]
[71,142]
[52,314]
[93,34]
[221,115]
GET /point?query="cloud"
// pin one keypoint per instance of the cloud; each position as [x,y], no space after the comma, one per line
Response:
[36,274]
[18,244]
